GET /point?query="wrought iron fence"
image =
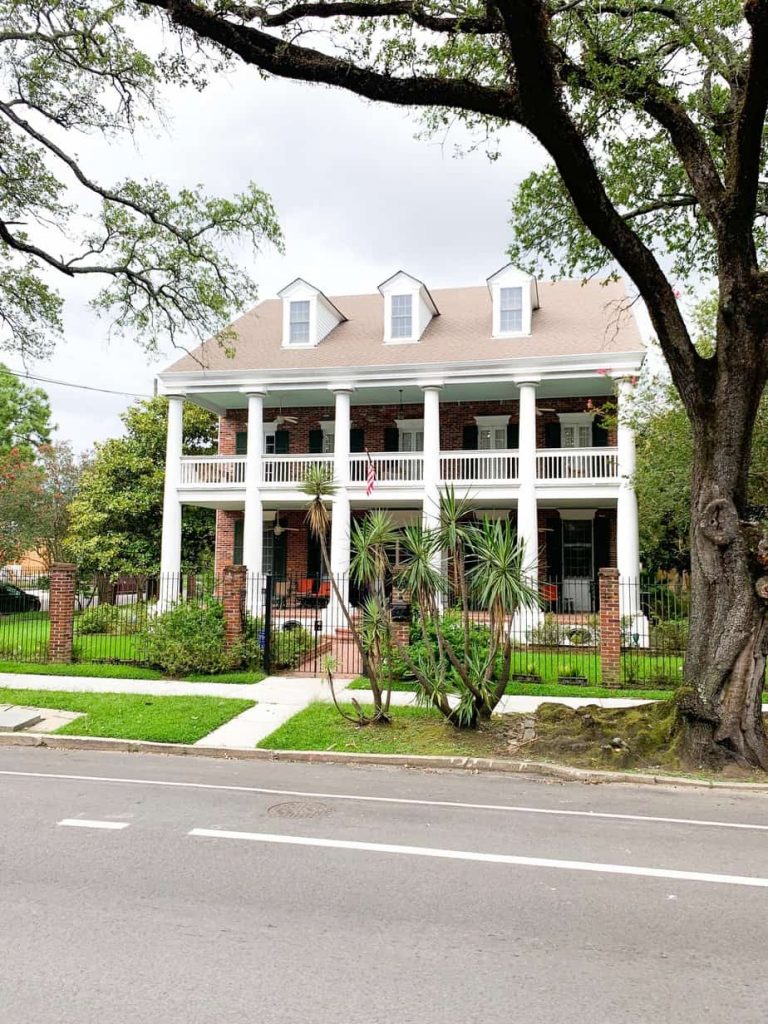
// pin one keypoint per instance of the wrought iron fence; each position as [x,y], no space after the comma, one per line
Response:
[24,626]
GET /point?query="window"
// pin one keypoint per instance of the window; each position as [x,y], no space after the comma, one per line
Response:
[511,310]
[268,548]
[299,324]
[402,316]
[577,548]
[491,438]
[575,430]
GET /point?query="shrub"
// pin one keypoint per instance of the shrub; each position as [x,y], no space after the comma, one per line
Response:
[671,635]
[289,646]
[550,633]
[189,638]
[108,618]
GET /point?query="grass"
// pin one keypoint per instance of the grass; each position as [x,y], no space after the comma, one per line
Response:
[412,731]
[102,670]
[134,716]
[544,690]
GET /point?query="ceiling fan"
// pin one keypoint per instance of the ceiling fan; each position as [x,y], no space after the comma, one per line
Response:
[543,408]
[280,419]
[278,529]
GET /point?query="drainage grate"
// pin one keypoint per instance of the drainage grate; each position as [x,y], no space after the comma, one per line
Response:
[299,809]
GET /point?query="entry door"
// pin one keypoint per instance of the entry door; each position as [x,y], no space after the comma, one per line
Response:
[578,565]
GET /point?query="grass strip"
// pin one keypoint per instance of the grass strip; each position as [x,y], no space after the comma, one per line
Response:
[134,716]
[100,670]
[543,690]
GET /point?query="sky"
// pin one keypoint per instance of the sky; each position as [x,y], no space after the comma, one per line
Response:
[357,194]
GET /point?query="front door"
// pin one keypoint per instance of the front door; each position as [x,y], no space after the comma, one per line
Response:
[578,565]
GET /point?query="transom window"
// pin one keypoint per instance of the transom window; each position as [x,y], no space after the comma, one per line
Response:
[402,316]
[511,310]
[299,323]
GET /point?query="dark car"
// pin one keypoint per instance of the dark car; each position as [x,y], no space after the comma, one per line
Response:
[13,599]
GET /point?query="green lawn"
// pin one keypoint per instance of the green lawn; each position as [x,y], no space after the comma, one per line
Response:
[412,731]
[134,716]
[546,690]
[101,670]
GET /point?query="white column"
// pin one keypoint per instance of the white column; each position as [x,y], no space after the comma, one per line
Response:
[527,508]
[431,506]
[340,527]
[170,547]
[627,521]
[253,527]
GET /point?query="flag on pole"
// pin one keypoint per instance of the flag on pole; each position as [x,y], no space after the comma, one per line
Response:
[370,479]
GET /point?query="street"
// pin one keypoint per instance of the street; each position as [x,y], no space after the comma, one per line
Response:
[191,890]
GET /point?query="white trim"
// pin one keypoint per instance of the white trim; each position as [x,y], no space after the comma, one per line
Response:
[492,421]
[575,418]
[416,423]
[577,513]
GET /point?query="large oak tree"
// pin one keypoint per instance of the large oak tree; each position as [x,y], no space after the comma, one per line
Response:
[653,113]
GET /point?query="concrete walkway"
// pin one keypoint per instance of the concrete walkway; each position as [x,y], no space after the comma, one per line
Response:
[278,699]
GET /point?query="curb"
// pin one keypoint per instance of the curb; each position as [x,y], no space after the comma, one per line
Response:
[543,769]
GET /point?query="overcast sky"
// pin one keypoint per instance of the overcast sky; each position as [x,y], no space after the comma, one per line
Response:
[358,197]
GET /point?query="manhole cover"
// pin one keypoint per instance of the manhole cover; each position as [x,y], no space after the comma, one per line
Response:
[299,809]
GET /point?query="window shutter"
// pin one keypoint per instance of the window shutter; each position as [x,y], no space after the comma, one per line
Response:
[551,435]
[599,435]
[602,541]
[315,442]
[314,558]
[554,548]
[513,435]
[279,556]
[237,549]
[357,439]
[391,439]
[469,437]
[241,442]
[281,442]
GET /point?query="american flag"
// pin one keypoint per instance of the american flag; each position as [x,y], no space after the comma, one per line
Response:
[370,479]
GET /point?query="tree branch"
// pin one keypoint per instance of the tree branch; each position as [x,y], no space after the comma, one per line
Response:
[371,9]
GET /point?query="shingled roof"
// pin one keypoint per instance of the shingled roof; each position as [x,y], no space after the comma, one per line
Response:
[574,319]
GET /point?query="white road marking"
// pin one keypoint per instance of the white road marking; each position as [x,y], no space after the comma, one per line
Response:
[459,805]
[486,858]
[90,823]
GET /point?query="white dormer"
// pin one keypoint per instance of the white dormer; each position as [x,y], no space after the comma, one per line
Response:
[514,296]
[308,315]
[408,309]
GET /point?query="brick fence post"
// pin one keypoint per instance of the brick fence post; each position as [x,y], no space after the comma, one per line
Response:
[610,627]
[61,610]
[233,598]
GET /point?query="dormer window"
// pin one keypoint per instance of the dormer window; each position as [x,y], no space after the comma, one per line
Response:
[511,309]
[402,316]
[299,323]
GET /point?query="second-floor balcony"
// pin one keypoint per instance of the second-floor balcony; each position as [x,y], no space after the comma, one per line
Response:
[397,471]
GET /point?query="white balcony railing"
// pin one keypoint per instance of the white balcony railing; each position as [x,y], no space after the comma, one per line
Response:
[577,464]
[404,469]
[468,467]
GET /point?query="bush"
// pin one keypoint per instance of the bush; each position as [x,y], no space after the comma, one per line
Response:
[108,618]
[289,646]
[550,633]
[189,638]
[671,635]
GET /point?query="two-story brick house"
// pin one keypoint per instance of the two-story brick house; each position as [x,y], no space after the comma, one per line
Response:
[495,389]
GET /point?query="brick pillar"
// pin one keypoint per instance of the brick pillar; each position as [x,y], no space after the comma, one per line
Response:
[610,627]
[233,598]
[61,609]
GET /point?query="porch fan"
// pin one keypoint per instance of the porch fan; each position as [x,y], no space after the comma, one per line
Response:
[280,419]
[279,528]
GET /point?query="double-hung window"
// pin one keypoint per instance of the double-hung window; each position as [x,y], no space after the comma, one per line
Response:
[491,438]
[402,316]
[511,310]
[299,323]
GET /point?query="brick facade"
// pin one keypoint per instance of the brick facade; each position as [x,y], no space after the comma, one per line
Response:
[233,599]
[61,610]
[610,627]
[225,539]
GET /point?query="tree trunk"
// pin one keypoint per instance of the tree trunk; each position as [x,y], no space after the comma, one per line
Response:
[721,702]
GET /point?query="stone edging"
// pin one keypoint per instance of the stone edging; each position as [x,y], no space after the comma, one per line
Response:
[563,773]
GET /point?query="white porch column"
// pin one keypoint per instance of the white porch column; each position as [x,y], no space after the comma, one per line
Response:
[253,527]
[431,506]
[340,527]
[170,547]
[627,522]
[527,507]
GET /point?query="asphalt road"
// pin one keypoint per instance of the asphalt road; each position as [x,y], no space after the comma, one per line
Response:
[253,892]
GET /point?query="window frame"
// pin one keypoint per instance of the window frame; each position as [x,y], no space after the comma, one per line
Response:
[397,317]
[303,323]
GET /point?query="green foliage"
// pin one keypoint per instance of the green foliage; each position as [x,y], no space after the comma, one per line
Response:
[160,256]
[109,618]
[117,514]
[670,635]
[25,415]
[290,647]
[188,638]
[549,633]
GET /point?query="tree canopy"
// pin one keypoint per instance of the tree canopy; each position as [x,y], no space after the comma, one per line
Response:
[69,71]
[116,516]
[25,415]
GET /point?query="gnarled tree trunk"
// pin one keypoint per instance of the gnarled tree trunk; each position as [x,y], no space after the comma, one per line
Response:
[721,703]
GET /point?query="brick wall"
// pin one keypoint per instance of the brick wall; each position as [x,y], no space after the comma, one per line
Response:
[61,610]
[374,419]
[610,627]
[225,539]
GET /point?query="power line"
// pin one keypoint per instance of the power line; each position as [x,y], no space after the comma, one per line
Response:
[71,384]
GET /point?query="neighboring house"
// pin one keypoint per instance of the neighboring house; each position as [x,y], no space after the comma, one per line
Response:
[495,389]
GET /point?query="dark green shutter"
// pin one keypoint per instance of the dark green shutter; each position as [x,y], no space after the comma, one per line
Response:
[599,435]
[357,439]
[281,442]
[391,439]
[315,442]
[237,548]
[602,541]
[314,558]
[513,435]
[241,442]
[554,547]
[469,437]
[279,556]
[551,435]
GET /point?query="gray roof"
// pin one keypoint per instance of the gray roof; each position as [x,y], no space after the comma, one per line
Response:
[574,318]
